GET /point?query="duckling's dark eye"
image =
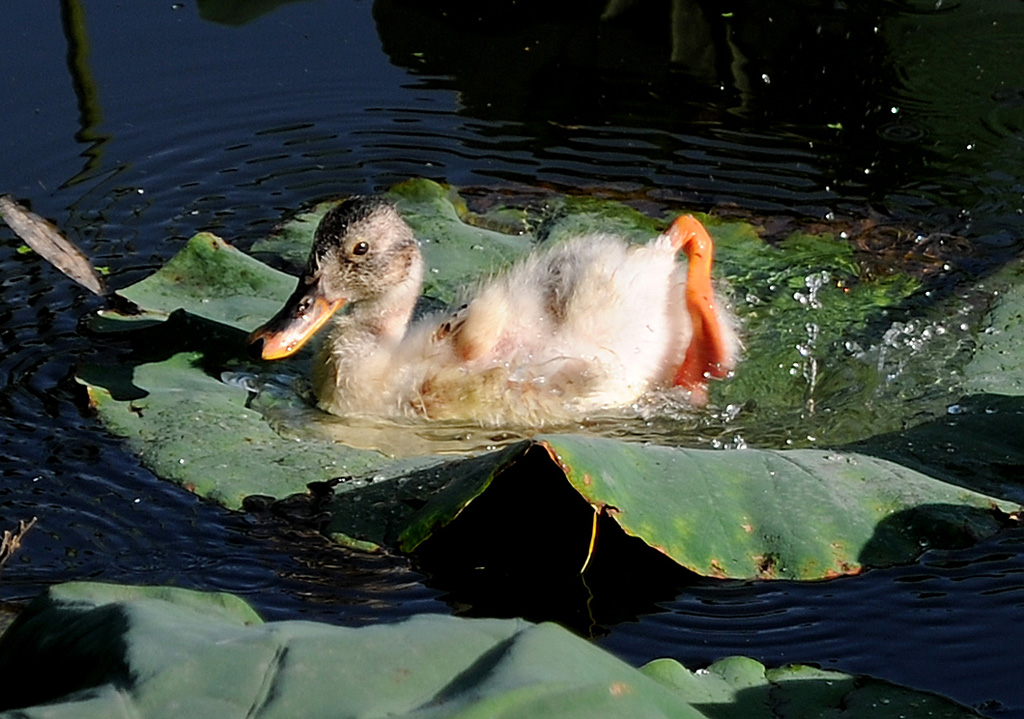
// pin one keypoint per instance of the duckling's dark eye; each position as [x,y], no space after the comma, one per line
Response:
[361,248]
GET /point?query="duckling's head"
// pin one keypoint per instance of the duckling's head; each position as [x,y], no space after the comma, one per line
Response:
[363,253]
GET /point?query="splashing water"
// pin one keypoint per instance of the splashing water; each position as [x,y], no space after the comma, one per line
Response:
[814,282]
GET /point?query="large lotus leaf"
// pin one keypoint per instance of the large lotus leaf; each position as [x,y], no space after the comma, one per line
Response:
[754,513]
[795,514]
[799,514]
[214,280]
[157,652]
[978,438]
[195,430]
[997,366]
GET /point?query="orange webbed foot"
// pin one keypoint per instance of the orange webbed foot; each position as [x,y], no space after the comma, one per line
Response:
[709,354]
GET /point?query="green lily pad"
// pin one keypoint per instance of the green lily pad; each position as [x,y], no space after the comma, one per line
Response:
[209,279]
[976,439]
[748,513]
[141,652]
[195,430]
[997,366]
[795,514]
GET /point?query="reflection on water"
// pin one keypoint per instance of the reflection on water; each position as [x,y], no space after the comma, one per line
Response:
[90,114]
[659,417]
[168,124]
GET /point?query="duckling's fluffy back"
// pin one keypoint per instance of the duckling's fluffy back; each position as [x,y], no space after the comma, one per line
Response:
[587,325]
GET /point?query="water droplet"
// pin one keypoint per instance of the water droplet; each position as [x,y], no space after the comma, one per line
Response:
[955,409]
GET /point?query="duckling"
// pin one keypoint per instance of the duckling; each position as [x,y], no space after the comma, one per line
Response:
[586,326]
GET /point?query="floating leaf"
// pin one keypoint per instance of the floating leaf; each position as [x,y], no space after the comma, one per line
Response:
[796,514]
[975,441]
[51,244]
[997,366]
[193,429]
[211,279]
[146,652]
[765,513]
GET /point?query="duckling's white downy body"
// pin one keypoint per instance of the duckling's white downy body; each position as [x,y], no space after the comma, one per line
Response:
[586,326]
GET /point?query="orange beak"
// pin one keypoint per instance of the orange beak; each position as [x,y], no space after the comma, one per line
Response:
[284,334]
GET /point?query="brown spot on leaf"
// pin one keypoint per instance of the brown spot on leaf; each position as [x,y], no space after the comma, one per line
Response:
[716,569]
[555,458]
[618,689]
[767,566]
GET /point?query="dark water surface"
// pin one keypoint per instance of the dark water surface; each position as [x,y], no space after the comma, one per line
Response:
[134,125]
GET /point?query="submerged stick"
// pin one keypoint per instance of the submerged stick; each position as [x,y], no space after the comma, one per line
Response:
[43,237]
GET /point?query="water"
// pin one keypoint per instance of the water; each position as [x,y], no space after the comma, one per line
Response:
[135,125]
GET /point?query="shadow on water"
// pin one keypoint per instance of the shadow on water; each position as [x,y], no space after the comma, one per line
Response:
[976,445]
[566,71]
[519,550]
[828,695]
[591,61]
[588,92]
[237,12]
[100,635]
[217,345]
[929,526]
